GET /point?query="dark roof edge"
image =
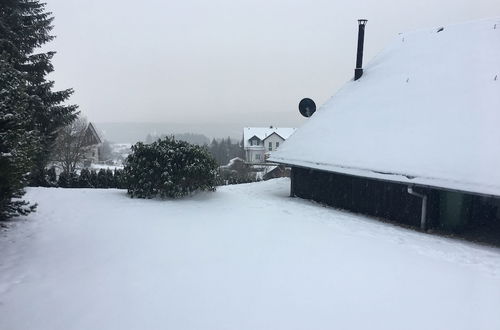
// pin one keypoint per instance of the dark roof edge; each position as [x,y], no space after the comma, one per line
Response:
[92,128]
[272,135]
[389,179]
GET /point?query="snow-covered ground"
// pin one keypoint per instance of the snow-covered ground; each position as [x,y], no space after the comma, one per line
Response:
[244,257]
[98,167]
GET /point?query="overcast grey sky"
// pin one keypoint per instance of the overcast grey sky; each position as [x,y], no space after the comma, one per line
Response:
[240,62]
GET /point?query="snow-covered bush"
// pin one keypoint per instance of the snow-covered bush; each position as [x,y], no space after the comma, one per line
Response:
[169,168]
[120,180]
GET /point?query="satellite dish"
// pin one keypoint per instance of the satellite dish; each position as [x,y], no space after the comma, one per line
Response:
[307,107]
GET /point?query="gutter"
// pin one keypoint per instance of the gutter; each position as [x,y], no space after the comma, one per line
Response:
[423,216]
[388,177]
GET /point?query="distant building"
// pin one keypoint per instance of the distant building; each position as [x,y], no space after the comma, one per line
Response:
[259,142]
[416,138]
[91,142]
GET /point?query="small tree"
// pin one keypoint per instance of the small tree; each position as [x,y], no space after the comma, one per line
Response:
[70,146]
[73,180]
[94,183]
[110,179]
[120,179]
[102,181]
[52,177]
[63,180]
[84,181]
[169,168]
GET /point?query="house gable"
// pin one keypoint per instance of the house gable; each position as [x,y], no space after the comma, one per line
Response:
[254,141]
[91,137]
[274,134]
[263,132]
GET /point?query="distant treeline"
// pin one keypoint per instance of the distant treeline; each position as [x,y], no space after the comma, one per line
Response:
[198,139]
[223,149]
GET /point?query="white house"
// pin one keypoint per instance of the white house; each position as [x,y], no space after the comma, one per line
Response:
[259,142]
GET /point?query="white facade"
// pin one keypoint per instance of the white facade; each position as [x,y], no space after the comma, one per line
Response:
[259,142]
[272,142]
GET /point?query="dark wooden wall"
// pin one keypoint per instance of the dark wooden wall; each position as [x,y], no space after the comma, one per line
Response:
[389,200]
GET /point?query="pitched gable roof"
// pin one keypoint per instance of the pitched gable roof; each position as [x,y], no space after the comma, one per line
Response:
[426,111]
[263,132]
[91,135]
[274,133]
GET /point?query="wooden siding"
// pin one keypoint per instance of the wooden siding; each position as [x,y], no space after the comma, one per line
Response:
[448,210]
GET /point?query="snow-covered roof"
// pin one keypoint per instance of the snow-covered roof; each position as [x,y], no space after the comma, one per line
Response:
[426,111]
[264,132]
[232,161]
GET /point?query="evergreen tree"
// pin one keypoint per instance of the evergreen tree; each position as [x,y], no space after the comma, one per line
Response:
[241,149]
[52,177]
[110,180]
[94,182]
[102,179]
[24,27]
[63,180]
[225,150]
[84,181]
[17,142]
[120,179]
[73,180]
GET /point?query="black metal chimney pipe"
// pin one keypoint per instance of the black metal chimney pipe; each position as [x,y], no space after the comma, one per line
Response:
[358,71]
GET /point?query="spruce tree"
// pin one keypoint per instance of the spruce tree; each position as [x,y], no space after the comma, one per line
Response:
[52,177]
[93,179]
[17,142]
[25,25]
[102,181]
[118,178]
[110,180]
[73,180]
[64,180]
[84,181]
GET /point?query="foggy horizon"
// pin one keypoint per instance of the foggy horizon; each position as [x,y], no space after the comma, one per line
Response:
[222,63]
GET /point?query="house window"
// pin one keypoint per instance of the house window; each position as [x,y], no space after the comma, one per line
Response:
[277,145]
[257,156]
[270,146]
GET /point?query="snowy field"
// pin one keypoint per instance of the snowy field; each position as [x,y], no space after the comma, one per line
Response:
[245,257]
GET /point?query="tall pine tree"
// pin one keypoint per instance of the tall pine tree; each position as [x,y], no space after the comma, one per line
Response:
[25,25]
[17,142]
[30,111]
